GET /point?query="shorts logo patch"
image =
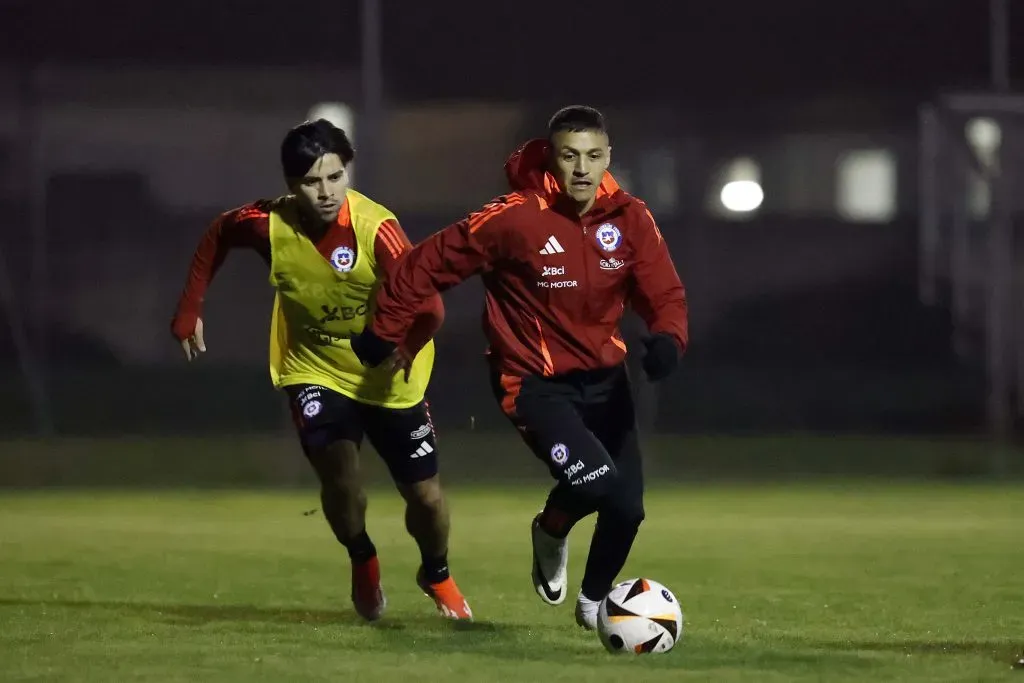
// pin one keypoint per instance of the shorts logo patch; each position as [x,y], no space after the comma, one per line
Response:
[312,409]
[419,432]
[608,237]
[424,449]
[559,454]
[343,258]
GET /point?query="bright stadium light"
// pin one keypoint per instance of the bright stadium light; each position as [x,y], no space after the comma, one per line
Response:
[737,189]
[866,185]
[985,136]
[337,113]
[742,196]
[342,116]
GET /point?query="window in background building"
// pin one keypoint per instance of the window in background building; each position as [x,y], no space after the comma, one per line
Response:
[866,186]
[737,190]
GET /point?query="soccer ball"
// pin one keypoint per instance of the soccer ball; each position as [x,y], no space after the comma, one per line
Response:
[639,617]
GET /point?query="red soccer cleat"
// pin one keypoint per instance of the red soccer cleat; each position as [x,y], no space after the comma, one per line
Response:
[447,596]
[367,595]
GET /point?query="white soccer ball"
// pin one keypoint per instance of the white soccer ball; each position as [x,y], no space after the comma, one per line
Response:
[640,617]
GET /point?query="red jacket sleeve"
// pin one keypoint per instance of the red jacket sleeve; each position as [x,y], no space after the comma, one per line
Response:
[247,226]
[389,248]
[658,295]
[440,262]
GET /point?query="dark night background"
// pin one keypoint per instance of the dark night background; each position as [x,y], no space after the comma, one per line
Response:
[802,320]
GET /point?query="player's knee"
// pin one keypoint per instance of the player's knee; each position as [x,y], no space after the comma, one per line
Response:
[344,491]
[424,496]
[634,516]
[342,486]
[625,506]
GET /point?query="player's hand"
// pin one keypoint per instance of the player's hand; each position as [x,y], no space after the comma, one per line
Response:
[397,362]
[194,344]
[662,356]
[370,349]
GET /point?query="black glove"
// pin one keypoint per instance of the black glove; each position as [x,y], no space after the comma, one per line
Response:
[662,356]
[370,349]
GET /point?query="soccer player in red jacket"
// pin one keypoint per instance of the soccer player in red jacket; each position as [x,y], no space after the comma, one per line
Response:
[560,256]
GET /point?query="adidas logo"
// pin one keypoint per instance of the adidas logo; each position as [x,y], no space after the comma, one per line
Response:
[552,247]
[424,449]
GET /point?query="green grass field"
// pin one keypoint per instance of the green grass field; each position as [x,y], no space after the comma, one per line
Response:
[827,581]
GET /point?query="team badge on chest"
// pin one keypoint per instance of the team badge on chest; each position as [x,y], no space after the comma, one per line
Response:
[608,237]
[343,258]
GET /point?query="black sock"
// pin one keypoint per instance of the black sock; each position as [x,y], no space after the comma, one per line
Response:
[435,569]
[360,548]
[609,549]
[562,510]
[554,522]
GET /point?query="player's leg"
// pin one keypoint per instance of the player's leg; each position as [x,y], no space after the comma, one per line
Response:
[406,441]
[547,419]
[612,418]
[331,433]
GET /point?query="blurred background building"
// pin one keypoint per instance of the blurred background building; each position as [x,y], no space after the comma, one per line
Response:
[839,183]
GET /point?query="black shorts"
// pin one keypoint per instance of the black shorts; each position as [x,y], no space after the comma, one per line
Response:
[403,437]
[581,425]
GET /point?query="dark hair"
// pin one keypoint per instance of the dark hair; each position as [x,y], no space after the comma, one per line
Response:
[576,118]
[307,142]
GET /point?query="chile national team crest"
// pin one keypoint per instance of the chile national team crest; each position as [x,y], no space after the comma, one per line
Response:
[343,258]
[608,237]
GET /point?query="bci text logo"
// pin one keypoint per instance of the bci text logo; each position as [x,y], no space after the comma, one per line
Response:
[574,469]
[553,270]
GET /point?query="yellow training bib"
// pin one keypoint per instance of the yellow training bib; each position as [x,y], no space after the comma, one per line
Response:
[321,305]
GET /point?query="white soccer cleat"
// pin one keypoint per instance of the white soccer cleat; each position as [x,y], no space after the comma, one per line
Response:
[586,612]
[550,557]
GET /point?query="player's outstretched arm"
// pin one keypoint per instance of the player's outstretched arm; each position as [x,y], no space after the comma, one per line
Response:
[438,263]
[391,245]
[243,227]
[659,299]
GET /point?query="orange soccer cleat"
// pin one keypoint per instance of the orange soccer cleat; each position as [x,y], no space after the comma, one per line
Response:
[447,596]
[367,595]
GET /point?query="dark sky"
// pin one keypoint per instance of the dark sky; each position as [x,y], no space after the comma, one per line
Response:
[625,50]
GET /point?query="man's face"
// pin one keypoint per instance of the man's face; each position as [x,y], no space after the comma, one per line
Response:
[322,190]
[579,161]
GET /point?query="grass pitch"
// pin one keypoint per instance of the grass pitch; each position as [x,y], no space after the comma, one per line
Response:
[836,582]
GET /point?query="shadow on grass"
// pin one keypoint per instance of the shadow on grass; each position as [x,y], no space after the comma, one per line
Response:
[402,632]
[1005,650]
[197,614]
[194,615]
[522,642]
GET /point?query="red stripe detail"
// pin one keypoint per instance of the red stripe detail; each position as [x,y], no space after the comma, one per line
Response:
[479,218]
[390,239]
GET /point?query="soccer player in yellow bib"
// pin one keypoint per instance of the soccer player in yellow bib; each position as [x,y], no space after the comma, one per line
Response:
[327,247]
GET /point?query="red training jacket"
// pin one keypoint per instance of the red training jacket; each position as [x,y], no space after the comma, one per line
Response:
[556,283]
